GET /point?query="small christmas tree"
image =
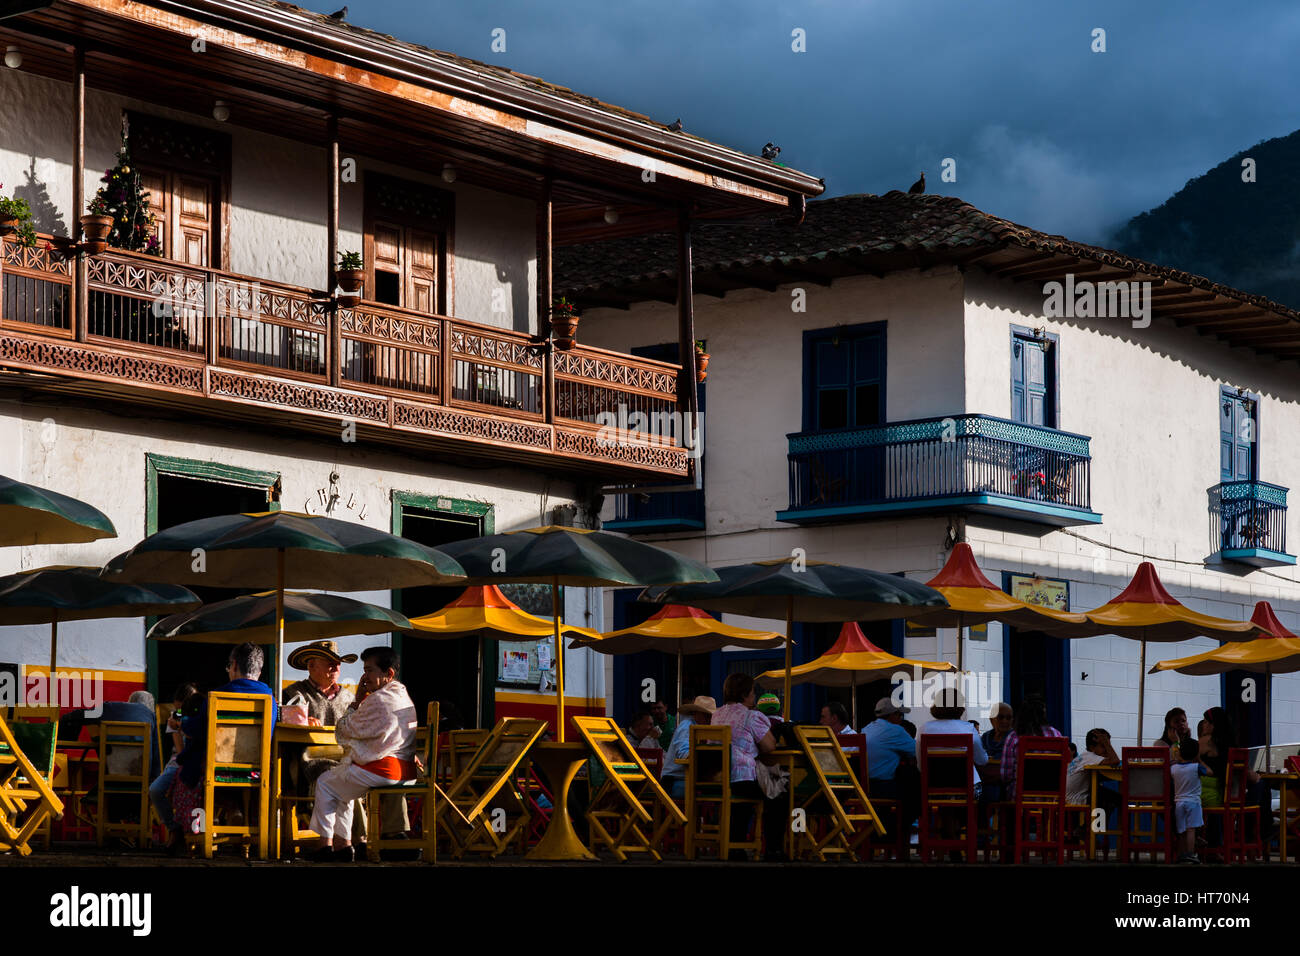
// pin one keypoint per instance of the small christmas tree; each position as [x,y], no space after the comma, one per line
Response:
[122,197]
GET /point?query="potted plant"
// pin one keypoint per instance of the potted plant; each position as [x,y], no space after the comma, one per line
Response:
[97,224]
[16,218]
[351,273]
[701,360]
[564,324]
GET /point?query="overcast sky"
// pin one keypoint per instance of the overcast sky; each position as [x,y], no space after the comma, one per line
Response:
[1044,131]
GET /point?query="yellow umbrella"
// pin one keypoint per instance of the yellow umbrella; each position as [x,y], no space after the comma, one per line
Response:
[685,630]
[849,657]
[1145,611]
[483,611]
[1276,651]
[974,599]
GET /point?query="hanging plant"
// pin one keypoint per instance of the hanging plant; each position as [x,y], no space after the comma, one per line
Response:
[16,219]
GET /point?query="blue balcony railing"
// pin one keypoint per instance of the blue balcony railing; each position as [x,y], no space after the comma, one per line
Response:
[664,511]
[1248,522]
[962,462]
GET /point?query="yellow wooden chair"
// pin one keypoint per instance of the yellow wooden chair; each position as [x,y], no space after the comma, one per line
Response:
[27,801]
[426,788]
[238,761]
[476,814]
[708,793]
[837,793]
[125,753]
[629,797]
[461,748]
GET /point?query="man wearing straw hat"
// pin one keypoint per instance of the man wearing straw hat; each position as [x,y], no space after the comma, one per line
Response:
[673,775]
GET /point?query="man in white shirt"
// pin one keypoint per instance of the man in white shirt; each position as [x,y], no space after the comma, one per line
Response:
[378,730]
[948,720]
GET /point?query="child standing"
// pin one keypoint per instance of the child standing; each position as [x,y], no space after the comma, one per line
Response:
[1186,774]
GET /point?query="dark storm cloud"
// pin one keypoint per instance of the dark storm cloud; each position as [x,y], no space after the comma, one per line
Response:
[1044,131]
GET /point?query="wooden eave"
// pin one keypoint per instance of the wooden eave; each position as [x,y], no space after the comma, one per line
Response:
[283,73]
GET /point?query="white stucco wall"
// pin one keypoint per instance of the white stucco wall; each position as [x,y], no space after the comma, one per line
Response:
[278,198]
[100,458]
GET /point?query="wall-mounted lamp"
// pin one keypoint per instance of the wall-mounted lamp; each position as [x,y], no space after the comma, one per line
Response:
[13,57]
[220,111]
[611,215]
[448,173]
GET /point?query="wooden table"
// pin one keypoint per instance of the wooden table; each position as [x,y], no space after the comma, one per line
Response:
[560,763]
[289,734]
[1288,785]
[1096,772]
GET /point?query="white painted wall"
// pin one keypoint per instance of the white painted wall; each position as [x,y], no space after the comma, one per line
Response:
[278,198]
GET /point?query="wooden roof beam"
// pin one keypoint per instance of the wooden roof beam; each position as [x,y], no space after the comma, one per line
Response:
[1033,264]
[1255,318]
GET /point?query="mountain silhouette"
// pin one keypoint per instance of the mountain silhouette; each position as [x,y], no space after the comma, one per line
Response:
[1242,234]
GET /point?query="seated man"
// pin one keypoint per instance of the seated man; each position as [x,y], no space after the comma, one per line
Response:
[836,717]
[665,721]
[243,667]
[378,731]
[643,732]
[1078,786]
[673,776]
[138,709]
[891,757]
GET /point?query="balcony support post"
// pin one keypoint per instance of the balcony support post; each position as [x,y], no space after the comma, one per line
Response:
[546,292]
[333,346]
[80,299]
[687,396]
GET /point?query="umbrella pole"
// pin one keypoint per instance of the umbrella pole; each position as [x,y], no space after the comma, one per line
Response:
[1268,719]
[1142,687]
[853,697]
[679,677]
[54,647]
[961,643]
[789,626]
[559,661]
[478,686]
[279,617]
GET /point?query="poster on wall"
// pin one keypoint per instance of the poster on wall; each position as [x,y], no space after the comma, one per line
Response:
[514,665]
[1043,592]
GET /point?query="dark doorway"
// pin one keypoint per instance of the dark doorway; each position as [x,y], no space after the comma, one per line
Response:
[1038,664]
[181,499]
[1248,717]
[441,669]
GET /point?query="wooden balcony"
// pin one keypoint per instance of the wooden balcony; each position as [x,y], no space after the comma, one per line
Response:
[1248,523]
[188,339]
[963,463]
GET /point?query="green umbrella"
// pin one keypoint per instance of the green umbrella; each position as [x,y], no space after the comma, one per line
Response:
[61,593]
[32,515]
[801,590]
[573,557]
[307,617]
[283,549]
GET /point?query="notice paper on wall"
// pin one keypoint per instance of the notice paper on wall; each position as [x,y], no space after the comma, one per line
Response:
[544,656]
[514,665]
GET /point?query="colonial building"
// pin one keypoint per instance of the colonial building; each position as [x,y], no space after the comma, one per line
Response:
[901,372]
[230,372]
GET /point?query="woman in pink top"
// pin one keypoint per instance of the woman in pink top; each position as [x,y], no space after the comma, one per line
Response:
[751,735]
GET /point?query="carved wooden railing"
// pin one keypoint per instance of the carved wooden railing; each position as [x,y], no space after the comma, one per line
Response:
[257,341]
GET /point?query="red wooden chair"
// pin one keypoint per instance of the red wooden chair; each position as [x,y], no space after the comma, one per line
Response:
[1145,794]
[1241,824]
[1041,764]
[947,794]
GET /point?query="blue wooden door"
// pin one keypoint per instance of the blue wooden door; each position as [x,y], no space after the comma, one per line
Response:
[847,381]
[1238,436]
[1031,389]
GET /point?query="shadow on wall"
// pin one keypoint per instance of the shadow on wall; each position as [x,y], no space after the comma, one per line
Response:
[45,215]
[514,278]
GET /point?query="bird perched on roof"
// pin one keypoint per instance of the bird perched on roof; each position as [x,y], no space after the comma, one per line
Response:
[771,151]
[677,125]
[339,14]
[919,185]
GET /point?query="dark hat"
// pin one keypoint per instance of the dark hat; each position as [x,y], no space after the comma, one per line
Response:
[325,650]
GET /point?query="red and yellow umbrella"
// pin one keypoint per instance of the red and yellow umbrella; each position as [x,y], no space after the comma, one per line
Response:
[676,628]
[483,611]
[850,658]
[1144,611]
[974,599]
[1275,651]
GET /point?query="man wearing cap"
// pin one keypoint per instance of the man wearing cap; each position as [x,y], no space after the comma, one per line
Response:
[673,776]
[887,742]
